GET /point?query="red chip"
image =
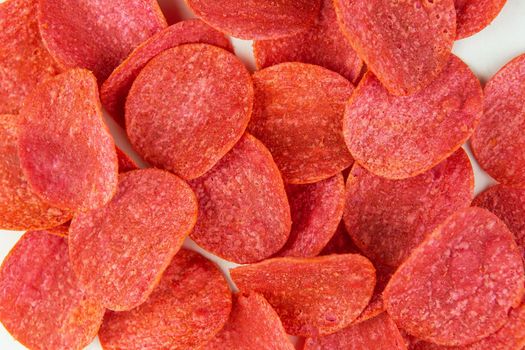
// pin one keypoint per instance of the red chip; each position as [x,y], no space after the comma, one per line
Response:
[458,286]
[509,205]
[125,163]
[402,136]
[378,333]
[298,115]
[405,43]
[66,151]
[498,141]
[324,44]
[120,251]
[316,213]
[97,35]
[20,208]
[257,19]
[115,89]
[24,61]
[244,214]
[253,323]
[312,296]
[41,303]
[187,309]
[387,219]
[188,107]
[510,337]
[340,243]
[474,15]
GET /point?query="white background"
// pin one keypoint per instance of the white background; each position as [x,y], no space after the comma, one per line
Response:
[484,52]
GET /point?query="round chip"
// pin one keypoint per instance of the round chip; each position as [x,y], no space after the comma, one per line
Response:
[387,219]
[20,208]
[498,141]
[458,286]
[252,323]
[188,107]
[508,204]
[120,251]
[244,214]
[324,44]
[474,15]
[403,136]
[257,19]
[298,115]
[312,296]
[24,61]
[41,303]
[405,43]
[66,151]
[187,309]
[378,333]
[316,213]
[115,89]
[97,35]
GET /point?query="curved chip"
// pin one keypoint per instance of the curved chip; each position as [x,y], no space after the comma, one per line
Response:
[97,35]
[458,286]
[24,61]
[474,15]
[508,204]
[187,309]
[378,333]
[403,136]
[340,243]
[66,151]
[20,208]
[498,141]
[244,214]
[387,219]
[188,107]
[298,115]
[405,43]
[125,163]
[257,19]
[115,89]
[120,251]
[41,303]
[312,296]
[324,44]
[253,323]
[316,213]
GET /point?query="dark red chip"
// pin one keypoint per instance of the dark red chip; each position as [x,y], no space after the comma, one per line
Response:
[458,286]
[387,219]
[324,44]
[20,208]
[253,322]
[41,303]
[120,251]
[97,35]
[125,163]
[405,43]
[186,310]
[24,61]
[244,214]
[498,141]
[474,15]
[340,243]
[298,115]
[257,19]
[115,89]
[66,151]
[378,333]
[316,213]
[313,296]
[188,107]
[403,136]
[508,204]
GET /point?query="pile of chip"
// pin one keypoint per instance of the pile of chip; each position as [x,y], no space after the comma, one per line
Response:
[333,176]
